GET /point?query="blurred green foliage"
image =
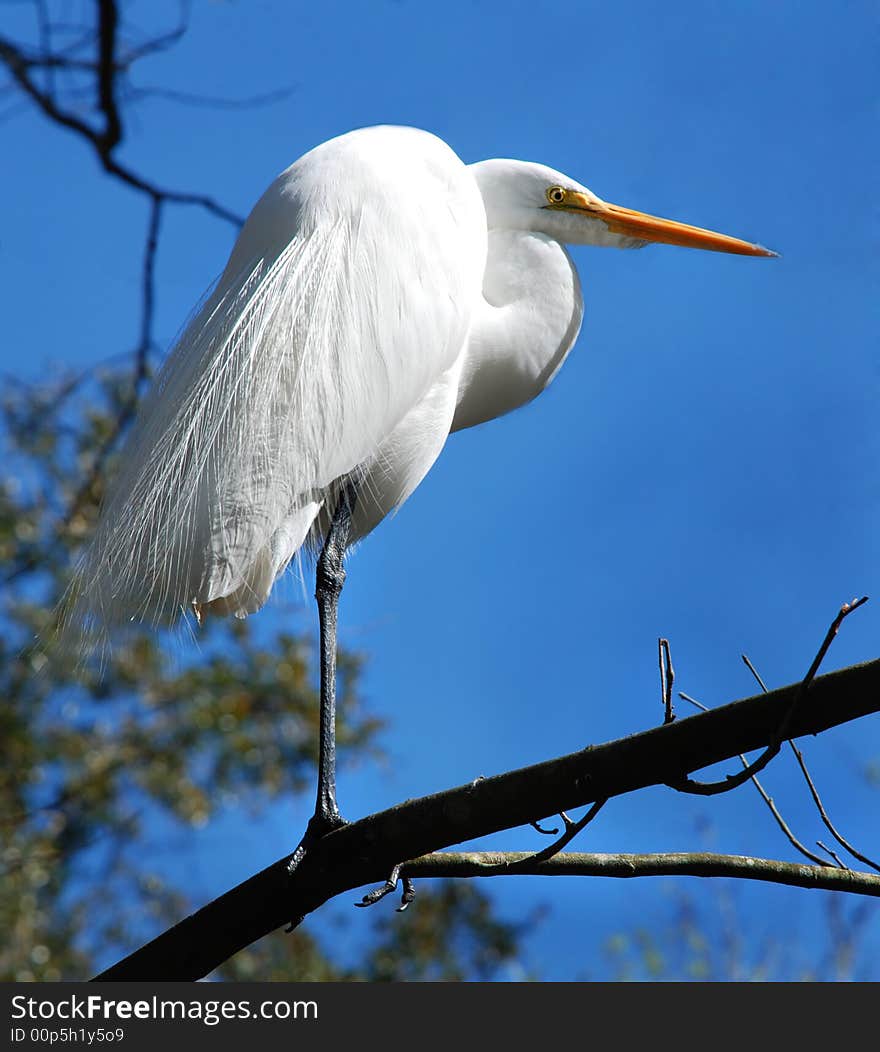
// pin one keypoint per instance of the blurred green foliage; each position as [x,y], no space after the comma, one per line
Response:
[710,938]
[95,752]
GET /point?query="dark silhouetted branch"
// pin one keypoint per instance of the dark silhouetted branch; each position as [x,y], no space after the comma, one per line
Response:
[365,852]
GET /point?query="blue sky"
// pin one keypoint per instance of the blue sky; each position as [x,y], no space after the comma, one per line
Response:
[705,466]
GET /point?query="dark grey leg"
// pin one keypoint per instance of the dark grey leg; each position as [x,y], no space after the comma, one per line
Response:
[329,582]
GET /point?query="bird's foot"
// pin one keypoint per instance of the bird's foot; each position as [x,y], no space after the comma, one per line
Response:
[409,891]
[321,824]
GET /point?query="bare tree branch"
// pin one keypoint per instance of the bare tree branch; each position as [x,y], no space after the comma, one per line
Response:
[667,679]
[366,851]
[683,864]
[107,68]
[108,22]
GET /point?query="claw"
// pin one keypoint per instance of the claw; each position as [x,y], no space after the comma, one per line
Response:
[374,896]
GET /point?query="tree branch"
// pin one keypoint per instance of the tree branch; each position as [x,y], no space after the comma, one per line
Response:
[366,851]
[103,141]
[673,863]
[108,21]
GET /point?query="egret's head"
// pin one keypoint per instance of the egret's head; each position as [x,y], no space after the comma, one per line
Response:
[522,195]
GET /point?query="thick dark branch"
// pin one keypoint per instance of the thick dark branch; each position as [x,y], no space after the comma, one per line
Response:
[674,863]
[367,851]
[148,292]
[108,23]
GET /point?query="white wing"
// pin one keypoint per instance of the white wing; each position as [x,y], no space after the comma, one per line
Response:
[349,292]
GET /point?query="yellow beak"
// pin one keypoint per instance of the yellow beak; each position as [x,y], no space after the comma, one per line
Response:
[651,228]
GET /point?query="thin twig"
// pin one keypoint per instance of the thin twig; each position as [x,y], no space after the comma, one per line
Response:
[185,98]
[824,816]
[697,788]
[765,796]
[571,831]
[799,756]
[844,612]
[156,44]
[45,33]
[754,672]
[831,854]
[667,678]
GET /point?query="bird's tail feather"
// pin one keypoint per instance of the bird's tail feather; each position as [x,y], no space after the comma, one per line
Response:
[219,479]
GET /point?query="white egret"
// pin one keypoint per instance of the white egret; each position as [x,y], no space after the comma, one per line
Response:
[381,295]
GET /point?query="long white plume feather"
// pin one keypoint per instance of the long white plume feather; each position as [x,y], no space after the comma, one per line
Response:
[219,454]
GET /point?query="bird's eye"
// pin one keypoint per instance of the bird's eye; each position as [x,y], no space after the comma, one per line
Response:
[556,195]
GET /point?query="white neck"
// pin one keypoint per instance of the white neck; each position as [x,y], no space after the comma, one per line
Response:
[525,328]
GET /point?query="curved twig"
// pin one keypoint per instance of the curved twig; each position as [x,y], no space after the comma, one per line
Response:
[765,796]
[697,788]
